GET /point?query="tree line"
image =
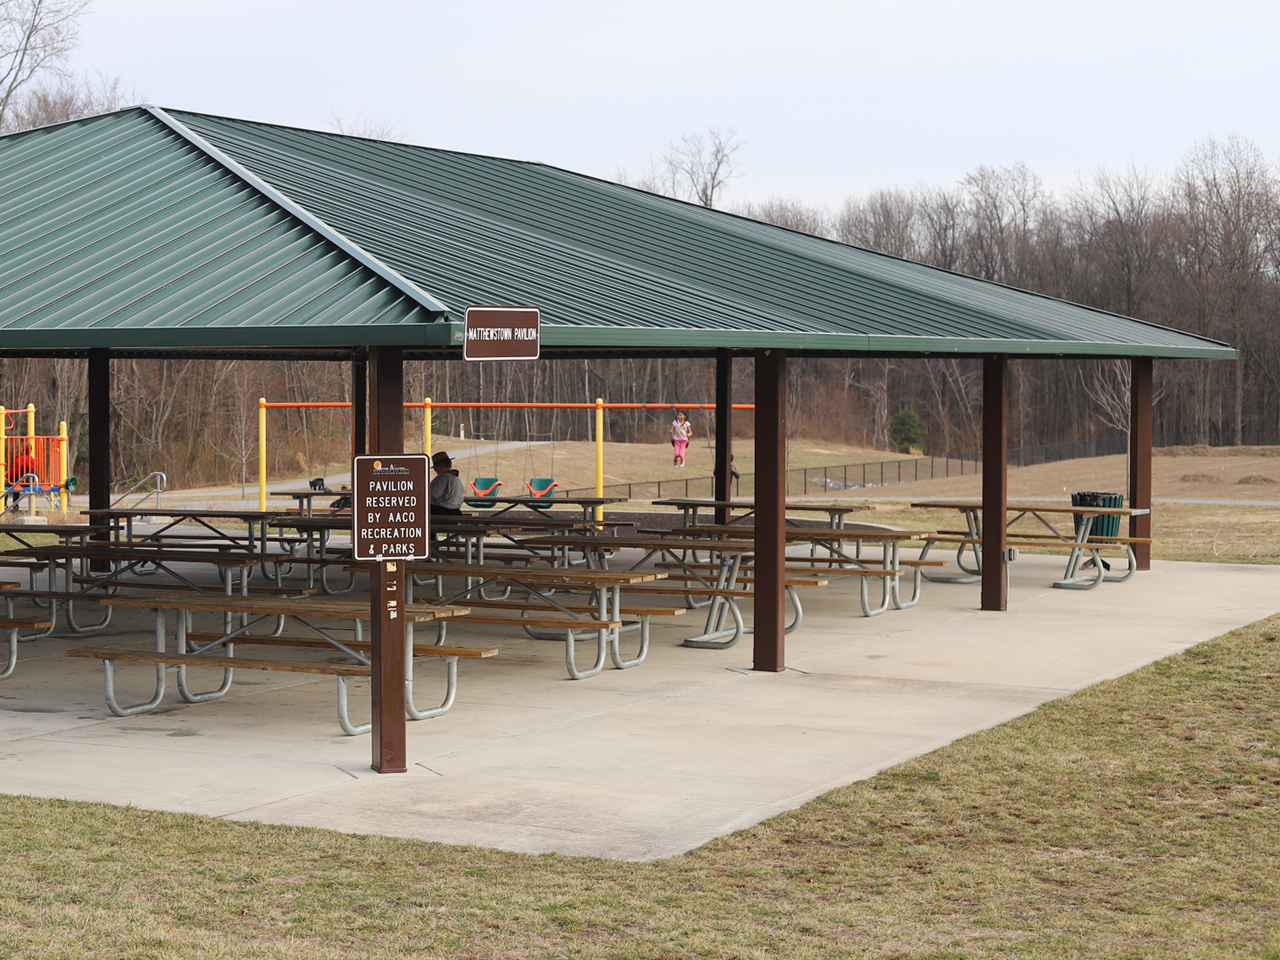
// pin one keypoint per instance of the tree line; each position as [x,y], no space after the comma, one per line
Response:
[1195,249]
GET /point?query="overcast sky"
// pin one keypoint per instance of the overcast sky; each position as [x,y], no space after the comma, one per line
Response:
[831,98]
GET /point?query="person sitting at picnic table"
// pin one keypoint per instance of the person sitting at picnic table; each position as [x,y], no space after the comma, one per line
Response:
[681,434]
[446,491]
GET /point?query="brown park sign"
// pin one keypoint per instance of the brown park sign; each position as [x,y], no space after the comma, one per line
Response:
[390,504]
[502,333]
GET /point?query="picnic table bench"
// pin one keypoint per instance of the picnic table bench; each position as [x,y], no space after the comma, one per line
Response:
[121,559]
[11,625]
[834,541]
[302,610]
[717,593]
[539,583]
[1083,549]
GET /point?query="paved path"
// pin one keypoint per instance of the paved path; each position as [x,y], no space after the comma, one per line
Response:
[636,764]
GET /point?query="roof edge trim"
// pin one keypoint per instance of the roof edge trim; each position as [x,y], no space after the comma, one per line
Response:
[582,337]
[343,243]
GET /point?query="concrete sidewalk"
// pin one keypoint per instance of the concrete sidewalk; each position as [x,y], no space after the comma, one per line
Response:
[636,764]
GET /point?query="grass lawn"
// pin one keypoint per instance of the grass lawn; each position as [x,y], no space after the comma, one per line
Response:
[1137,818]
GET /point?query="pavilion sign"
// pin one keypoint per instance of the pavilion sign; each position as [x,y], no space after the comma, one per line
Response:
[389,503]
[502,333]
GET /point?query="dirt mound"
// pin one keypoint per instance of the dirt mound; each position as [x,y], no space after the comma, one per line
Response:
[1200,478]
[1256,479]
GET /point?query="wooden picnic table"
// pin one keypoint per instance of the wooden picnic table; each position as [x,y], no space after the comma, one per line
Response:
[588,504]
[469,532]
[66,532]
[538,584]
[718,593]
[302,609]
[121,559]
[689,507]
[1078,544]
[249,518]
[306,498]
[889,569]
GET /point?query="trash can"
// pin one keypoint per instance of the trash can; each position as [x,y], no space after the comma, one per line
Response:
[1107,526]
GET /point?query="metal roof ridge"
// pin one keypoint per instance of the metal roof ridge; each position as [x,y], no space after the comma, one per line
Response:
[313,222]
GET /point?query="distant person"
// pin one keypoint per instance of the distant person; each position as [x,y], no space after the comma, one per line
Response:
[681,434]
[446,491]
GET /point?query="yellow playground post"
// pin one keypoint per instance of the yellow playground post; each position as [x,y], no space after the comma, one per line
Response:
[4,449]
[426,426]
[262,453]
[62,465]
[599,456]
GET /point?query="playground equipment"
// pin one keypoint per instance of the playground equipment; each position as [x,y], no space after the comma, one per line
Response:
[33,465]
[429,406]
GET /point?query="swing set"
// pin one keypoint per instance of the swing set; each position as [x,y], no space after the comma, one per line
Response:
[540,488]
[543,488]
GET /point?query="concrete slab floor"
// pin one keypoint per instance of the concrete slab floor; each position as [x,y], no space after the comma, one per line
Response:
[636,764]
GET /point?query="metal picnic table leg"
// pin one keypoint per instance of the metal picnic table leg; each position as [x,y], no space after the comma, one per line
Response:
[716,636]
[615,650]
[451,672]
[228,649]
[109,681]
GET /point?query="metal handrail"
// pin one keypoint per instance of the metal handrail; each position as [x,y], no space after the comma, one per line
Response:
[161,485]
[25,486]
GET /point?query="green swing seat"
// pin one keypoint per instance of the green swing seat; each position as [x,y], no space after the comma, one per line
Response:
[541,488]
[484,487]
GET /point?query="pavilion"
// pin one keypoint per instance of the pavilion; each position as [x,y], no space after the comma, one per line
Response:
[154,233]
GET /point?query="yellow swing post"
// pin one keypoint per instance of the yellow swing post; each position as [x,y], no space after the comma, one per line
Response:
[262,454]
[31,452]
[426,427]
[599,456]
[62,466]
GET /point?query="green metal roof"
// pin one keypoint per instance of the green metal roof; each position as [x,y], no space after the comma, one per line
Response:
[161,229]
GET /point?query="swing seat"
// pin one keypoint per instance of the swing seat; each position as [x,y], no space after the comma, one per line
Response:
[541,487]
[484,487]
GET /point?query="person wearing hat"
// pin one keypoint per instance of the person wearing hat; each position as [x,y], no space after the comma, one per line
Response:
[446,490]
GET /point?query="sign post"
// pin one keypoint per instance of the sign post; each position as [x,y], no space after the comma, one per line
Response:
[390,508]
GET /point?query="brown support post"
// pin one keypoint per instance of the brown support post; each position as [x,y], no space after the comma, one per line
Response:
[771,509]
[99,442]
[995,480]
[386,435]
[724,431]
[359,403]
[1141,425]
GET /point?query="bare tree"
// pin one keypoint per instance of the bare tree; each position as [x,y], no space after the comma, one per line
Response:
[67,98]
[790,213]
[1228,207]
[36,36]
[695,168]
[369,128]
[884,221]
